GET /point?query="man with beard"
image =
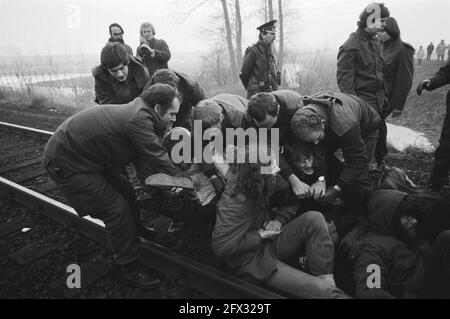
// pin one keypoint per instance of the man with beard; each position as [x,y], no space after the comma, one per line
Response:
[120,78]
[86,158]
[387,255]
[259,70]
[116,35]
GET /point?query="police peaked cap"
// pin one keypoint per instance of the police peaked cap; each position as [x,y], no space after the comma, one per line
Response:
[268,26]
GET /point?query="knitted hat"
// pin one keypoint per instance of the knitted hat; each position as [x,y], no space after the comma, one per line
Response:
[392,28]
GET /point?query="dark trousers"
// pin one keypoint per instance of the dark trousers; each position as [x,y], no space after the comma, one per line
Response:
[108,197]
[441,165]
[429,56]
[437,274]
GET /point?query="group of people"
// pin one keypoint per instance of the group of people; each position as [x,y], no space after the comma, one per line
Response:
[440,52]
[310,224]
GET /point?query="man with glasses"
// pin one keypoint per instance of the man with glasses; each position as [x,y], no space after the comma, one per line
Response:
[120,78]
[116,35]
[259,69]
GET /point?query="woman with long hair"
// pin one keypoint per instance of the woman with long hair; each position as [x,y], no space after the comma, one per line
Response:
[267,247]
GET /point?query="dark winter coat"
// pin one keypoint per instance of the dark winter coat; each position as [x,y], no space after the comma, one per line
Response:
[110,136]
[348,121]
[159,60]
[398,72]
[441,78]
[360,68]
[401,267]
[110,91]
[259,70]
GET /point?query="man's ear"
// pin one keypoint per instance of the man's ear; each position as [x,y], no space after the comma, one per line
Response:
[323,124]
[158,109]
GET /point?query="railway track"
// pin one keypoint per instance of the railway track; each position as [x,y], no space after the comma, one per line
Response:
[23,178]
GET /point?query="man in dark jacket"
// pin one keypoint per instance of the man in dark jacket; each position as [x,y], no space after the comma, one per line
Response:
[346,122]
[398,78]
[441,166]
[154,52]
[87,155]
[259,69]
[120,78]
[430,49]
[116,35]
[387,257]
[274,111]
[189,90]
[222,111]
[360,61]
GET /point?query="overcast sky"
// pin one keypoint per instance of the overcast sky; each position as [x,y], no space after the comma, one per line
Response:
[81,26]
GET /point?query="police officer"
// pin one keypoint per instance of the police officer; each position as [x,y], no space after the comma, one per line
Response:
[259,70]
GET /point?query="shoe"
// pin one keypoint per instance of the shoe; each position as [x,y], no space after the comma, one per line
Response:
[162,179]
[134,274]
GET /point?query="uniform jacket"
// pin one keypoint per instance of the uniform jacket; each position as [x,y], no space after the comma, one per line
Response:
[259,70]
[430,48]
[401,267]
[159,61]
[349,121]
[109,137]
[110,91]
[236,238]
[398,72]
[360,68]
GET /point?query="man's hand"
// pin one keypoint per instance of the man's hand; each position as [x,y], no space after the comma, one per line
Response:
[300,189]
[152,52]
[274,225]
[318,189]
[270,234]
[396,113]
[422,85]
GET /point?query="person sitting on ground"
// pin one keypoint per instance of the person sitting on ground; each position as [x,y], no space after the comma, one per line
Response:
[434,217]
[188,200]
[387,258]
[190,92]
[266,247]
[120,78]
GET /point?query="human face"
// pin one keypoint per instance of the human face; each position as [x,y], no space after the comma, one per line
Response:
[268,122]
[116,34]
[147,33]
[168,118]
[305,163]
[408,225]
[269,37]
[120,72]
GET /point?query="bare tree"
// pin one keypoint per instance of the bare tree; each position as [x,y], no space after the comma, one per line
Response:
[281,39]
[238,22]
[270,6]
[231,52]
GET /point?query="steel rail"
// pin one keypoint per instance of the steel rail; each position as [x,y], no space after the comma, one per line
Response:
[211,281]
[26,129]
